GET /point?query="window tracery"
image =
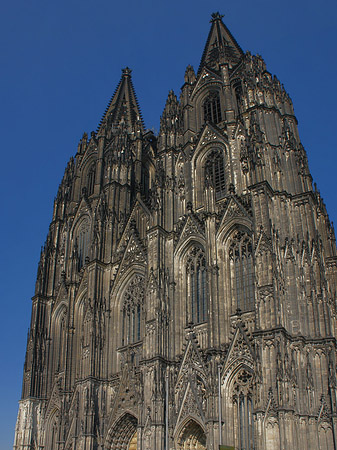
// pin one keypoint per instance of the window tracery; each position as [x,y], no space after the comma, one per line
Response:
[242,271]
[196,285]
[133,300]
[212,108]
[82,242]
[91,179]
[243,405]
[215,172]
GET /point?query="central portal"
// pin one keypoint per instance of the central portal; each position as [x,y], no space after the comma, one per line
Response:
[192,437]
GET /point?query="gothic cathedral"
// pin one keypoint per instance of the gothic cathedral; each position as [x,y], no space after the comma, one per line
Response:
[186,292]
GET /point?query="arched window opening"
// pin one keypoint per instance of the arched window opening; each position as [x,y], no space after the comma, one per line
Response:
[243,406]
[133,300]
[82,242]
[212,108]
[242,271]
[61,344]
[196,285]
[91,179]
[215,172]
[237,86]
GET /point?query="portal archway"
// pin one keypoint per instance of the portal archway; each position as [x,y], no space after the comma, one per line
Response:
[191,437]
[123,435]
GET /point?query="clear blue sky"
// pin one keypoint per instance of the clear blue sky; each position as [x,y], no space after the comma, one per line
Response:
[61,62]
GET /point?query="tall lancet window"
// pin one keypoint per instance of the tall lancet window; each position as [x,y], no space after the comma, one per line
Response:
[243,407]
[91,179]
[215,172]
[212,108]
[242,271]
[82,242]
[132,305]
[196,285]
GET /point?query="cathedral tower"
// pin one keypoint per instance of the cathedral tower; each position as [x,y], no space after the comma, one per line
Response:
[186,292]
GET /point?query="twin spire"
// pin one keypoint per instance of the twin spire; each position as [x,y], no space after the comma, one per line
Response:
[220,48]
[123,106]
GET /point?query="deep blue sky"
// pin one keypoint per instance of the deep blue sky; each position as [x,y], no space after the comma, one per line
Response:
[61,62]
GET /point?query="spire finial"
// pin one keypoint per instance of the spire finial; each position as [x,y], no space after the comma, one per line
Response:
[216,16]
[126,71]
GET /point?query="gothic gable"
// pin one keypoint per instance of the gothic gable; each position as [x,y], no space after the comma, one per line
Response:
[83,208]
[206,78]
[192,228]
[210,135]
[263,244]
[138,209]
[191,385]
[234,211]
[240,350]
[127,395]
[134,253]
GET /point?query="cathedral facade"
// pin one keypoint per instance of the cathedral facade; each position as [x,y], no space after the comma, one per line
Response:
[186,292]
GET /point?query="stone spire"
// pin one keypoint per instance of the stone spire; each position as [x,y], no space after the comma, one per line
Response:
[221,47]
[123,106]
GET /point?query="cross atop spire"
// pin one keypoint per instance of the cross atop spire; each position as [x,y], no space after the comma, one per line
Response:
[221,47]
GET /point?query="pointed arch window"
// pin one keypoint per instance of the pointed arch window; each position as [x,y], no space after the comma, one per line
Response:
[242,271]
[91,179]
[82,242]
[237,86]
[61,344]
[243,406]
[215,172]
[133,301]
[196,285]
[212,108]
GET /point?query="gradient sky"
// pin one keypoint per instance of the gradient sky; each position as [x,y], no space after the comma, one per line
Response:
[61,62]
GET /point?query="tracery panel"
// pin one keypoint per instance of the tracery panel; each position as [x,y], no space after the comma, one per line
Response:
[132,304]
[215,172]
[242,271]
[196,285]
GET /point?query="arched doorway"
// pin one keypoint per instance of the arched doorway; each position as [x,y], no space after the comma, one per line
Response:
[123,435]
[191,437]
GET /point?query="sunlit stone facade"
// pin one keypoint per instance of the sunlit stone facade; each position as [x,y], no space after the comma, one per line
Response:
[186,292]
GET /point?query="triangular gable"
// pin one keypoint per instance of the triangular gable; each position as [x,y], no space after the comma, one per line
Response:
[239,130]
[206,76]
[192,359]
[126,397]
[240,349]
[54,400]
[210,135]
[133,253]
[83,208]
[263,243]
[271,407]
[192,227]
[234,210]
[138,206]
[190,405]
[191,382]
